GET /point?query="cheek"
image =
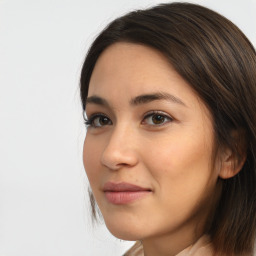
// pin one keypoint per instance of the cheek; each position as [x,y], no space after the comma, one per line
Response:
[91,160]
[183,177]
[182,162]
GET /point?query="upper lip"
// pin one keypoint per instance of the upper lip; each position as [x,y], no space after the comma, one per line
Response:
[122,187]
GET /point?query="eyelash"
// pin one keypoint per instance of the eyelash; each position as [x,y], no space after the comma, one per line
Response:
[89,122]
[151,114]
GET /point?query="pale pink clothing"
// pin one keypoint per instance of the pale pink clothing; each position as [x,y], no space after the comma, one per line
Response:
[202,247]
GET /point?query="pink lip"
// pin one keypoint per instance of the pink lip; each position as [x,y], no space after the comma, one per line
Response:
[124,193]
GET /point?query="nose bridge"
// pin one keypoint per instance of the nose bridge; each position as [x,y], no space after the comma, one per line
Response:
[120,132]
[120,148]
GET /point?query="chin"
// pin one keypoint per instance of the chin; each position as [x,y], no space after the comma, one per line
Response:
[125,231]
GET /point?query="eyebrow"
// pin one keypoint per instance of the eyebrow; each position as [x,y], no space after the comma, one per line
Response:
[96,100]
[138,100]
[146,98]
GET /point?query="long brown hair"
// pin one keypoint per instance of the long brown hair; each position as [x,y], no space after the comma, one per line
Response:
[219,63]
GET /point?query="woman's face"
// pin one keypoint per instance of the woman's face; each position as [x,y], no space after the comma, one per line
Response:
[149,144]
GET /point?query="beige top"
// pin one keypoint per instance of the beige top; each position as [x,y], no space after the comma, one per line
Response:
[202,247]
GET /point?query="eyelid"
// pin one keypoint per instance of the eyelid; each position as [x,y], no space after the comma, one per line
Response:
[89,120]
[159,112]
[93,115]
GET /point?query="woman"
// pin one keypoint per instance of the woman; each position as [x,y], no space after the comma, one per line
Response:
[169,100]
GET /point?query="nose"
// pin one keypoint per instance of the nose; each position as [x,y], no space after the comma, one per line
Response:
[120,150]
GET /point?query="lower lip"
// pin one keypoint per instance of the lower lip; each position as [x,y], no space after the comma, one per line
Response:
[125,197]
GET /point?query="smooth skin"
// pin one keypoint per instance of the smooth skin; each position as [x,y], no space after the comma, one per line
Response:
[149,128]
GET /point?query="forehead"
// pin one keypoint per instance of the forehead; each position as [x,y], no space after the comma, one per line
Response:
[128,69]
[126,62]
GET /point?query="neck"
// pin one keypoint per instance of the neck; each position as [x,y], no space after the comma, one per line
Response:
[170,244]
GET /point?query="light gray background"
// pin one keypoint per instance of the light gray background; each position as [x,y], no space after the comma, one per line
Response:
[43,201]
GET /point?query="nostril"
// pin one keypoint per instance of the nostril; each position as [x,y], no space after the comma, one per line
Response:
[116,159]
[119,150]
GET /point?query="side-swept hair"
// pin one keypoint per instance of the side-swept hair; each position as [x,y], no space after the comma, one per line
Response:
[219,63]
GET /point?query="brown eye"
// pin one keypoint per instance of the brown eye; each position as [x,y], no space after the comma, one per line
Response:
[103,120]
[156,119]
[97,121]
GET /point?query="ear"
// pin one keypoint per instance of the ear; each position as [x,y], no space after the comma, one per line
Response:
[232,161]
[231,165]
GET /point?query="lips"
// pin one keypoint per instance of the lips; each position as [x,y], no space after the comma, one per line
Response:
[124,193]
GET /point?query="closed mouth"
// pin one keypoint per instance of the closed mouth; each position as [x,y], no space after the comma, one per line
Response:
[124,193]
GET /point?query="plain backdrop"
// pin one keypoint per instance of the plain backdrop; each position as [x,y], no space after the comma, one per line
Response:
[43,189]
